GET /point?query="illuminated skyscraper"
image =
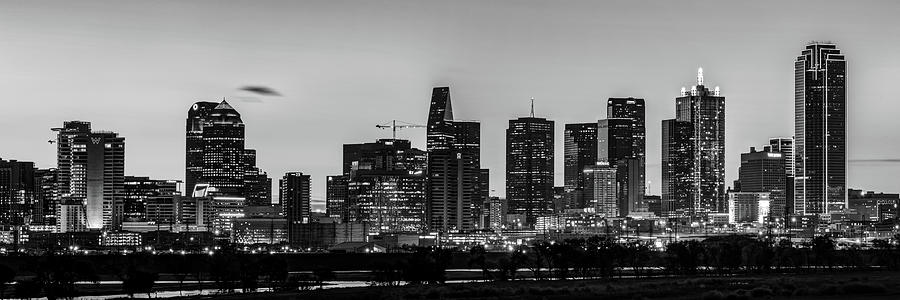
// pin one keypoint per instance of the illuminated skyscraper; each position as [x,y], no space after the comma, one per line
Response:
[91,169]
[580,151]
[336,197]
[454,165]
[215,149]
[677,166]
[820,130]
[763,172]
[386,186]
[294,196]
[785,146]
[17,192]
[704,109]
[529,167]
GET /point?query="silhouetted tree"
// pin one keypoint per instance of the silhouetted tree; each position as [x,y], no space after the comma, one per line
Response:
[138,281]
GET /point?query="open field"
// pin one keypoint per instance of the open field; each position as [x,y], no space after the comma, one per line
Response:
[852,285]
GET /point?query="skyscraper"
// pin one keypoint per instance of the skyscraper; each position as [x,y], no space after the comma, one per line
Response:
[138,192]
[215,149]
[386,186]
[705,110]
[46,197]
[257,184]
[617,146]
[92,164]
[294,194]
[336,197]
[580,151]
[820,130]
[17,192]
[529,167]
[600,190]
[483,188]
[763,172]
[631,109]
[454,164]
[785,146]
[677,165]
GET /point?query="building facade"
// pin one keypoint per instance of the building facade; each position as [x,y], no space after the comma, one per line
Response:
[820,130]
[529,167]
[454,166]
[704,109]
[579,151]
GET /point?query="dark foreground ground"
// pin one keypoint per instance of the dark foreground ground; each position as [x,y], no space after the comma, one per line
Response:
[849,285]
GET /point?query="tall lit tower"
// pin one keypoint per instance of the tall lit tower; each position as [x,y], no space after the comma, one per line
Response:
[704,109]
[215,149]
[454,166]
[820,130]
[529,167]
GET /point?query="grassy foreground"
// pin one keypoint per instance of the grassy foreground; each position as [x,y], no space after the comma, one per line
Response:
[853,285]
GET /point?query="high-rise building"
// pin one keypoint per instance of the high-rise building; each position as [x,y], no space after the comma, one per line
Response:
[820,130]
[628,152]
[763,172]
[529,167]
[215,149]
[631,109]
[386,186]
[785,146]
[17,192]
[294,194]
[454,165]
[580,151]
[46,197]
[704,109]
[91,172]
[677,165]
[748,207]
[139,192]
[257,184]
[336,197]
[600,190]
[617,146]
[483,188]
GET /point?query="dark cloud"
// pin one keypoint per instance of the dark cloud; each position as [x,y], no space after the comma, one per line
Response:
[260,90]
[876,160]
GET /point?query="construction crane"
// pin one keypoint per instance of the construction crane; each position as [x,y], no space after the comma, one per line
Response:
[394,126]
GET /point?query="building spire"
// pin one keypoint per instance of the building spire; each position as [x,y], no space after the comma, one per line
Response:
[700,76]
[532,107]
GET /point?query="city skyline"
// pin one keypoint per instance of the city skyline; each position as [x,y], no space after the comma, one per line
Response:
[565,72]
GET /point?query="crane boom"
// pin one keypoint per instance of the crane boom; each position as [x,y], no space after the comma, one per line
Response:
[394,126]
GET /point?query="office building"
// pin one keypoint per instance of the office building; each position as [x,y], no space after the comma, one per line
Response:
[529,167]
[215,153]
[704,109]
[601,190]
[91,171]
[677,165]
[820,130]
[336,197]
[17,192]
[748,207]
[454,166]
[579,151]
[763,172]
[386,187]
[139,192]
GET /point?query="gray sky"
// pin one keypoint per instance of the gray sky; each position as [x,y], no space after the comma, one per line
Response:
[135,67]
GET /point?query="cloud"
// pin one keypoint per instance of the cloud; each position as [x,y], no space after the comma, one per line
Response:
[260,90]
[876,160]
